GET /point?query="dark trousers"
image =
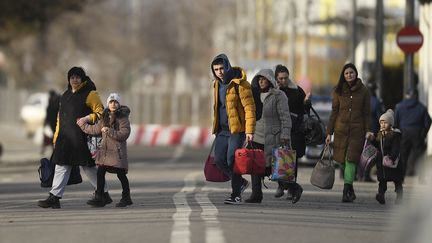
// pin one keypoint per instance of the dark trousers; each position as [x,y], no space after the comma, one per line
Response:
[225,147]
[256,179]
[411,149]
[382,186]
[121,175]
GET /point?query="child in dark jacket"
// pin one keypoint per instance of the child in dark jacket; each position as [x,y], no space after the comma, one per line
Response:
[389,167]
[112,155]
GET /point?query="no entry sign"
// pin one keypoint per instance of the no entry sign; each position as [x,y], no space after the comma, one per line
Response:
[409,39]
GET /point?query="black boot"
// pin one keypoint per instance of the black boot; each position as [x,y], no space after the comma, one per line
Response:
[289,194]
[106,198]
[257,195]
[297,194]
[351,193]
[346,197]
[380,198]
[98,200]
[279,190]
[125,200]
[51,202]
[399,196]
[254,198]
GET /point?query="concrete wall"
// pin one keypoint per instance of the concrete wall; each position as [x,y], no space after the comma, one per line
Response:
[425,65]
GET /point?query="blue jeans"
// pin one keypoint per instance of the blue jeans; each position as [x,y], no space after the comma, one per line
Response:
[225,147]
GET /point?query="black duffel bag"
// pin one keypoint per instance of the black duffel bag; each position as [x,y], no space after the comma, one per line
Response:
[46,173]
[313,129]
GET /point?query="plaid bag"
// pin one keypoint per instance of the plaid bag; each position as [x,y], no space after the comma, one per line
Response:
[368,155]
[283,164]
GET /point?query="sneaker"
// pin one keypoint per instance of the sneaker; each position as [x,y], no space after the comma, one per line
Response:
[51,202]
[244,185]
[231,200]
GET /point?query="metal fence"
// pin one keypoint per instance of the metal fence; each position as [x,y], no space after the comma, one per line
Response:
[146,107]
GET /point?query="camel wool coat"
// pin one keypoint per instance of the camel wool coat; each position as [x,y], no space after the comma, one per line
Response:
[349,121]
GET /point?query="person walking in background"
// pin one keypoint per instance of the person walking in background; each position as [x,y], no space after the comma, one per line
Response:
[70,143]
[112,155]
[233,119]
[376,108]
[413,119]
[273,126]
[51,117]
[349,122]
[298,102]
[388,142]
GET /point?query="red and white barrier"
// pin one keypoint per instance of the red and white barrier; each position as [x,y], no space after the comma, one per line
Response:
[158,135]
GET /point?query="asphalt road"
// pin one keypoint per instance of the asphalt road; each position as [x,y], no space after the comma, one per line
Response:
[173,203]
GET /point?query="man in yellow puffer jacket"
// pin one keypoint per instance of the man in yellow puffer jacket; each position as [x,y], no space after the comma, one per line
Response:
[234,119]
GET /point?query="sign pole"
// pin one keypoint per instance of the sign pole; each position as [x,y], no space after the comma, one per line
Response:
[409,60]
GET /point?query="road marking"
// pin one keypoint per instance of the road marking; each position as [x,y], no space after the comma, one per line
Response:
[181,228]
[214,233]
[181,231]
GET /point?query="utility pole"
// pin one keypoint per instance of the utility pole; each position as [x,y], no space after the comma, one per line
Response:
[379,34]
[292,37]
[409,58]
[354,31]
[304,63]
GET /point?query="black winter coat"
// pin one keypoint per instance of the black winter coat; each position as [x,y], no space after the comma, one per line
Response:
[391,146]
[296,105]
[71,144]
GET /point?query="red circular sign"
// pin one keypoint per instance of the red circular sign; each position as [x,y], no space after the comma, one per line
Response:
[409,39]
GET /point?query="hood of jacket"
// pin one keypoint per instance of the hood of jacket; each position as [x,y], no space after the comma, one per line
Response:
[88,82]
[266,73]
[291,84]
[409,103]
[229,71]
[122,111]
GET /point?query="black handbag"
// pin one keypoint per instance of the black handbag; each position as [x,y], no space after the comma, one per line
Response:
[313,129]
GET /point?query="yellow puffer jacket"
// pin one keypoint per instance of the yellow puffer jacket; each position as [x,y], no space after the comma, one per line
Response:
[241,111]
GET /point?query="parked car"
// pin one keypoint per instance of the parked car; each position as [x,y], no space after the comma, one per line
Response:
[33,112]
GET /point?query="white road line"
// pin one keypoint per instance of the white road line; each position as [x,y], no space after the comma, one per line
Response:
[214,233]
[181,231]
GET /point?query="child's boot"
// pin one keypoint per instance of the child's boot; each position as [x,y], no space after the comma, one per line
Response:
[380,198]
[399,195]
[98,200]
[125,200]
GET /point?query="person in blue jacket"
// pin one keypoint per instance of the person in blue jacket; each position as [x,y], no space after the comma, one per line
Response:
[413,119]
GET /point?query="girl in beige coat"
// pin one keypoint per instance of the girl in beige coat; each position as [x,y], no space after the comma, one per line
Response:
[112,155]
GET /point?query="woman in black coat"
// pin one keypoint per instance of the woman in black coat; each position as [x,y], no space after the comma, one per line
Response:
[79,101]
[296,102]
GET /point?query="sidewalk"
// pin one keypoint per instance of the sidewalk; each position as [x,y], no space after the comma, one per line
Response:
[17,148]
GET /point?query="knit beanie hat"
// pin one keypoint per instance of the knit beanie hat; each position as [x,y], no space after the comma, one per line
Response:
[388,116]
[113,96]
